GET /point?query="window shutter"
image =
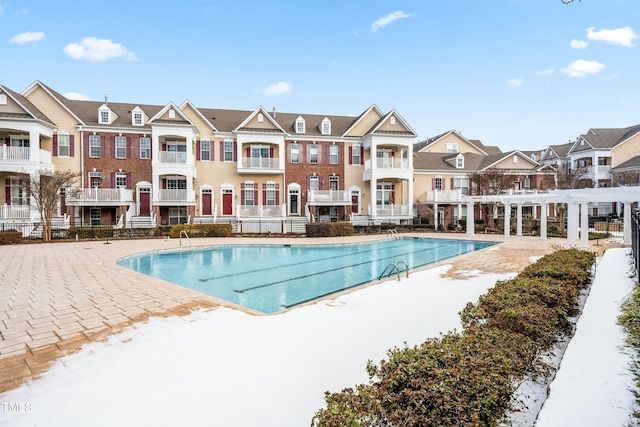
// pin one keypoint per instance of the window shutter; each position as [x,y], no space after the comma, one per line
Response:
[127,148]
[164,147]
[452,183]
[112,145]
[264,193]
[55,145]
[85,143]
[255,195]
[128,180]
[7,191]
[102,144]
[113,180]
[319,154]
[164,183]
[235,151]
[433,183]
[271,152]
[339,154]
[71,146]
[197,149]
[350,155]
[393,193]
[212,151]
[221,151]
[136,147]
[248,150]
[362,154]
[242,193]
[277,194]
[289,153]
[308,150]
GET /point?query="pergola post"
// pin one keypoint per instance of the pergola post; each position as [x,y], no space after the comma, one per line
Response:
[584,225]
[572,224]
[626,223]
[518,219]
[507,219]
[543,221]
[470,219]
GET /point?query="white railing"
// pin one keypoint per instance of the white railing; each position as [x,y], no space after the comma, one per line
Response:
[172,157]
[45,156]
[15,211]
[172,195]
[260,162]
[101,195]
[328,196]
[444,196]
[260,211]
[392,210]
[388,163]
[14,153]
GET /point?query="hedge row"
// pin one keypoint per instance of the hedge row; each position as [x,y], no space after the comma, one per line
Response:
[329,229]
[9,237]
[202,230]
[469,378]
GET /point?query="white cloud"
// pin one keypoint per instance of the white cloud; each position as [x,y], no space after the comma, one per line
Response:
[27,37]
[578,44]
[98,50]
[621,36]
[515,82]
[547,72]
[77,96]
[582,68]
[277,88]
[386,20]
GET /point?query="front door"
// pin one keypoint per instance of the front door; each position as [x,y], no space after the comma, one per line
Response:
[145,201]
[206,202]
[293,202]
[227,202]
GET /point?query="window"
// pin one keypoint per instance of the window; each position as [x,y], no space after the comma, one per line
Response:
[313,153]
[121,147]
[3,99]
[461,183]
[355,154]
[104,117]
[249,199]
[63,145]
[177,215]
[260,117]
[295,152]
[121,180]
[438,183]
[137,119]
[452,147]
[384,196]
[95,148]
[527,183]
[299,125]
[95,179]
[314,183]
[459,161]
[333,154]
[145,148]
[19,141]
[172,113]
[19,194]
[270,194]
[96,216]
[326,127]
[392,120]
[334,182]
[205,149]
[228,151]
[515,159]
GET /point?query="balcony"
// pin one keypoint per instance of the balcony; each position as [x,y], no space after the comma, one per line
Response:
[14,153]
[175,195]
[259,165]
[173,157]
[21,160]
[392,210]
[261,211]
[387,167]
[15,212]
[100,196]
[443,196]
[329,197]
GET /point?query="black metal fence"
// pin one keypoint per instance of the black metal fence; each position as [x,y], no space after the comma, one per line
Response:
[635,241]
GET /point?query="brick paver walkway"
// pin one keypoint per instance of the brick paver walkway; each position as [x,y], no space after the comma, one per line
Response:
[55,297]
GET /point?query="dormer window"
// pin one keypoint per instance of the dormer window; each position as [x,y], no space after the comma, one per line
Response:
[460,161]
[299,125]
[325,126]
[105,117]
[137,117]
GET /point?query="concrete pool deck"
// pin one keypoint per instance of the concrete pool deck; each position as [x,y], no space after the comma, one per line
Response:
[55,297]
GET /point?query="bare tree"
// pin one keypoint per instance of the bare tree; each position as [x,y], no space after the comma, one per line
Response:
[572,178]
[488,183]
[627,178]
[44,188]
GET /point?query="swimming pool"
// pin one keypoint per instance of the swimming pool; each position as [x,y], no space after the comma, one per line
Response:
[272,278]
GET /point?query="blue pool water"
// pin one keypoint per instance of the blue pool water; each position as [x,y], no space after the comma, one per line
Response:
[272,278]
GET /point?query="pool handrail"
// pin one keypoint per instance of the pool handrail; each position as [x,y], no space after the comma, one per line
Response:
[187,236]
[393,267]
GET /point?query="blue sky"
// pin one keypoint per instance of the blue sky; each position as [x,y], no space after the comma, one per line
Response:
[519,74]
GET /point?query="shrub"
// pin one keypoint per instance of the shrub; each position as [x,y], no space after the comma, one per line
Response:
[8,237]
[329,229]
[202,230]
[88,232]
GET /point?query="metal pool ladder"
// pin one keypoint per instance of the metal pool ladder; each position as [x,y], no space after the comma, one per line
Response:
[393,268]
[185,235]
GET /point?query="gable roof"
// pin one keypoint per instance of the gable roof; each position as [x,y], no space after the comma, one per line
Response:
[30,110]
[606,137]
[631,164]
[421,146]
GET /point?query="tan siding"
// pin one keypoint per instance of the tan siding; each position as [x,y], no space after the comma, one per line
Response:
[255,124]
[365,124]
[388,127]
[440,146]
[11,106]
[626,151]
[509,164]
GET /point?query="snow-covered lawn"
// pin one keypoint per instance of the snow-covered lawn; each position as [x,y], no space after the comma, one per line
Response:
[224,367]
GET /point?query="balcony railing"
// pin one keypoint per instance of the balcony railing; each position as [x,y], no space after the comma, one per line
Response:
[14,153]
[388,163]
[172,157]
[173,195]
[101,195]
[260,162]
[15,211]
[392,210]
[260,211]
[444,196]
[329,196]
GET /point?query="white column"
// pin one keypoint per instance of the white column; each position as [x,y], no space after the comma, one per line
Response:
[470,220]
[543,221]
[572,224]
[584,225]
[519,219]
[626,233]
[507,219]
[34,146]
[373,194]
[435,216]
[155,188]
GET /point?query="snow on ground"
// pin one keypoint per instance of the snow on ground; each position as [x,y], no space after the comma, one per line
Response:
[225,367]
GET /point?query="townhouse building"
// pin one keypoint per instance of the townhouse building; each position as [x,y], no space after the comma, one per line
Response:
[147,165]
